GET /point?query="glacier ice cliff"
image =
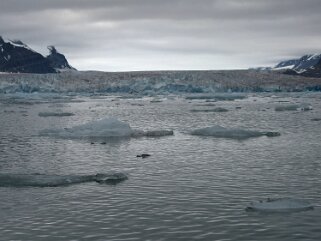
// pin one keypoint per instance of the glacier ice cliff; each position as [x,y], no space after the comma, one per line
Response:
[155,82]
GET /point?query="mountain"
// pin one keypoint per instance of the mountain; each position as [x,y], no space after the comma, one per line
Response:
[307,65]
[17,57]
[314,71]
[57,60]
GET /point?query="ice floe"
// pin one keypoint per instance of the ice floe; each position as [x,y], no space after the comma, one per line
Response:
[56,114]
[279,205]
[152,133]
[44,180]
[294,107]
[108,127]
[232,133]
[218,109]
[316,119]
[217,97]
[105,128]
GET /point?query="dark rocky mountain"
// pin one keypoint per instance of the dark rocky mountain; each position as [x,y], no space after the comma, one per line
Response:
[314,71]
[57,60]
[17,57]
[287,64]
[307,65]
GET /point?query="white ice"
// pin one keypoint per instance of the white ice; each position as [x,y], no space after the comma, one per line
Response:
[108,127]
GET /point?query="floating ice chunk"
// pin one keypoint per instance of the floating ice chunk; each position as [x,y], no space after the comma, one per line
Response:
[157,133]
[206,104]
[217,97]
[105,128]
[56,114]
[234,133]
[156,100]
[43,180]
[287,108]
[109,127]
[293,107]
[218,109]
[110,178]
[316,119]
[306,107]
[279,205]
[152,133]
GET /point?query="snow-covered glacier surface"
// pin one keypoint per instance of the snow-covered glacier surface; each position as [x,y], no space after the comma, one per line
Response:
[55,168]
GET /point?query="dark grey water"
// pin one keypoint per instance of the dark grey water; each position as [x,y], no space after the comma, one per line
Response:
[190,188]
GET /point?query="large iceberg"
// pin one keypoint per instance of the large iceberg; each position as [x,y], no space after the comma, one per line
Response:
[108,127]
[105,128]
[233,133]
[279,205]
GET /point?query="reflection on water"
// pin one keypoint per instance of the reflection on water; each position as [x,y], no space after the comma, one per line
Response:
[190,188]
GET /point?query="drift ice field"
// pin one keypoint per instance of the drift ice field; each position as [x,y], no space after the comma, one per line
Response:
[71,166]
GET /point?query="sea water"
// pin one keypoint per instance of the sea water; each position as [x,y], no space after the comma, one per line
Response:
[189,188]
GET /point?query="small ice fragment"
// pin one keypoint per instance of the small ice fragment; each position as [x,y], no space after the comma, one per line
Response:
[232,133]
[56,114]
[279,204]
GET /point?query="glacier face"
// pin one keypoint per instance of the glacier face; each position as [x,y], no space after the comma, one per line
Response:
[155,82]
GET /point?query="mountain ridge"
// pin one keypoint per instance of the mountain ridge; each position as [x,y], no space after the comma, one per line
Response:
[18,57]
[308,65]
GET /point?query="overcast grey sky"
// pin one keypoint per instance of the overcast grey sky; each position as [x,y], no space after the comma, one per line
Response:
[115,35]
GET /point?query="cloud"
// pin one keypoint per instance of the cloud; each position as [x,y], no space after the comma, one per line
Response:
[166,34]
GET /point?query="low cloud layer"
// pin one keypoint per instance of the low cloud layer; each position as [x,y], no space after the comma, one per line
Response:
[114,35]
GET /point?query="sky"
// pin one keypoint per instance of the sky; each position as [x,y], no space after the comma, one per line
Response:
[127,35]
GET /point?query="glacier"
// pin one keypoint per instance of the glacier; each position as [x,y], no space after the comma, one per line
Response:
[156,82]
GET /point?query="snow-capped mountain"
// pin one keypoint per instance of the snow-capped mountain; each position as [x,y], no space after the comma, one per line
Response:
[17,57]
[314,71]
[307,65]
